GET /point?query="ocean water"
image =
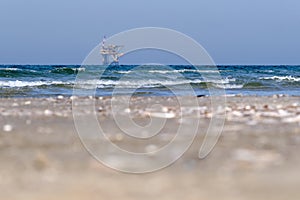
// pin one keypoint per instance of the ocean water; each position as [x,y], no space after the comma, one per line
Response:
[52,80]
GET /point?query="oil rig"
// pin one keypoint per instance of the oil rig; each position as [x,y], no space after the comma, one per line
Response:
[110,51]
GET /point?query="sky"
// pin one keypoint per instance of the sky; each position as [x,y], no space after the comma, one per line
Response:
[232,31]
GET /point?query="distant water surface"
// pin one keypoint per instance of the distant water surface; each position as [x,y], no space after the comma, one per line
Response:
[52,80]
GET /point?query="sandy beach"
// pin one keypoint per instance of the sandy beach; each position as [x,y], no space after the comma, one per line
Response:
[256,157]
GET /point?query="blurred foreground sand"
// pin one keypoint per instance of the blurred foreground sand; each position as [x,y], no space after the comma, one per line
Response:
[257,156]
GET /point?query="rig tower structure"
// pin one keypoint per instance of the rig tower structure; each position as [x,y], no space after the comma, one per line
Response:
[110,51]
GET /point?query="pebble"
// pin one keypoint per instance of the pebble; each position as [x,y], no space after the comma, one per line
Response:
[127,110]
[73,97]
[283,113]
[279,106]
[247,107]
[228,109]
[48,112]
[27,102]
[163,115]
[15,104]
[41,161]
[208,115]
[7,128]
[164,109]
[291,119]
[295,104]
[60,97]
[237,113]
[249,112]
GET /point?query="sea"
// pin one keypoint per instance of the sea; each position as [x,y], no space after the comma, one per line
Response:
[151,80]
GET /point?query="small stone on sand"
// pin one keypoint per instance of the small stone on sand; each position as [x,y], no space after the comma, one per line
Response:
[100,109]
[48,112]
[7,128]
[27,102]
[247,107]
[41,161]
[15,104]
[165,109]
[73,97]
[127,110]
[163,115]
[60,97]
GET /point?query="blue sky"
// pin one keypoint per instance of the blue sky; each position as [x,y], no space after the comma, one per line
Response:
[232,31]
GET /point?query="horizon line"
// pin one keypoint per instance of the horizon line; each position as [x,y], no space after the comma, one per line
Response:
[216,64]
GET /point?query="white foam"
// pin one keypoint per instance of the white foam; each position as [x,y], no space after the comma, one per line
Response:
[127,83]
[9,69]
[81,69]
[123,72]
[229,86]
[135,83]
[182,71]
[18,83]
[132,83]
[281,78]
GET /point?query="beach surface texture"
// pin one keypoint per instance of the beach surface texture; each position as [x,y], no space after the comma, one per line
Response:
[256,156]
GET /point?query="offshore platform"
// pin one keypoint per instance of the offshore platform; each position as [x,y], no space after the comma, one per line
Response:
[110,53]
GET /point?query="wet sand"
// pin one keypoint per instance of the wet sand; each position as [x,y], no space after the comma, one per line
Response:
[256,157]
